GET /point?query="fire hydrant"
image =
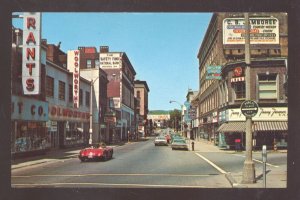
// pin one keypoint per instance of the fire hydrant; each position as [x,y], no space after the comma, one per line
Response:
[193,146]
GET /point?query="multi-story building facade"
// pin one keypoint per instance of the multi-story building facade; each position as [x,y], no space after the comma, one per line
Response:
[220,98]
[46,120]
[29,113]
[68,125]
[120,90]
[141,92]
[90,70]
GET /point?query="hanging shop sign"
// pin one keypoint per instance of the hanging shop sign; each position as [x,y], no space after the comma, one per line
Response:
[213,72]
[238,71]
[74,67]
[28,109]
[115,102]
[31,53]
[237,79]
[263,30]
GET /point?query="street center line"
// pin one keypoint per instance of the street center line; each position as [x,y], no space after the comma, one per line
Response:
[257,161]
[212,164]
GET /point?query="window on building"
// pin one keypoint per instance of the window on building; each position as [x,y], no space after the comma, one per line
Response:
[70,93]
[267,86]
[88,63]
[97,64]
[240,90]
[49,86]
[80,97]
[87,99]
[62,90]
[138,94]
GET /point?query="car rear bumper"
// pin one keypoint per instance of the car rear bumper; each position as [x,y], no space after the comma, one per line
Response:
[179,147]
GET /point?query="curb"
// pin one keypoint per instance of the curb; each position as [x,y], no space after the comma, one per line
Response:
[231,180]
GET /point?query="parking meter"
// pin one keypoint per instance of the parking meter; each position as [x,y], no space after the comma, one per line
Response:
[264,153]
[264,158]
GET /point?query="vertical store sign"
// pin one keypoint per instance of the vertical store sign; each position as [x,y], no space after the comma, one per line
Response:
[73,66]
[31,56]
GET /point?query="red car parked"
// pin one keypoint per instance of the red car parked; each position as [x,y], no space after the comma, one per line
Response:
[96,152]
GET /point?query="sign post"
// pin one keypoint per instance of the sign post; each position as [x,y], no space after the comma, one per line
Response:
[249,108]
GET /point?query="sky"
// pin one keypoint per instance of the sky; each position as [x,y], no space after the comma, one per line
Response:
[162,47]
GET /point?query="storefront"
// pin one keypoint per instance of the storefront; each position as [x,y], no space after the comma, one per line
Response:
[28,126]
[68,126]
[269,127]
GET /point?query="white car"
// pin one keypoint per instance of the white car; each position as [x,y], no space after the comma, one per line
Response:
[179,144]
[160,140]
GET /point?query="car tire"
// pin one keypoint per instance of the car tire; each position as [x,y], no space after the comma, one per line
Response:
[104,156]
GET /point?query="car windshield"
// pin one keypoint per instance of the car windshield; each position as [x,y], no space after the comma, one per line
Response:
[179,141]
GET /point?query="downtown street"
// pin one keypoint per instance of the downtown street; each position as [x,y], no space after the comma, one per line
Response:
[140,164]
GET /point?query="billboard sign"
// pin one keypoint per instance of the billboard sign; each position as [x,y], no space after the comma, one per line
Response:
[74,67]
[110,60]
[31,53]
[263,30]
[213,72]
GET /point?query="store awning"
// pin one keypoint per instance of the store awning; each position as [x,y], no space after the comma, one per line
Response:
[257,126]
[270,126]
[232,127]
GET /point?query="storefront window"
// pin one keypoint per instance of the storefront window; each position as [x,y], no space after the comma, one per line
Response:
[74,133]
[31,136]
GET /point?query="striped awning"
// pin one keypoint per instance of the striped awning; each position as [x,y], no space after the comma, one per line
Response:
[257,126]
[232,127]
[270,126]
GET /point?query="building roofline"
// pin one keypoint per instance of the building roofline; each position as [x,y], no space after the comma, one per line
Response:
[142,82]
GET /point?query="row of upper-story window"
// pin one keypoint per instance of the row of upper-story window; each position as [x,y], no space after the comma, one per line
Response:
[212,59]
[267,89]
[62,92]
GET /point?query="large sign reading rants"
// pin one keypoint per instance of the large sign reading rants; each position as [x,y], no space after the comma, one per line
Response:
[31,56]
[73,66]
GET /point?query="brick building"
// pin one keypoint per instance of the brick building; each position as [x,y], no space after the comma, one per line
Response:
[90,70]
[219,99]
[141,91]
[120,90]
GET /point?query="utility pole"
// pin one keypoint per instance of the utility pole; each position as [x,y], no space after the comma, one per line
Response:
[249,168]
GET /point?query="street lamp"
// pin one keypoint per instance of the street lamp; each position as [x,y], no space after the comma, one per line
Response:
[181,106]
[91,110]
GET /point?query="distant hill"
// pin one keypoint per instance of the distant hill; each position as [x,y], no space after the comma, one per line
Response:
[158,112]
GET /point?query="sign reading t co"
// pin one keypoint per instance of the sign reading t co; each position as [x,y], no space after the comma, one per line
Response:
[249,108]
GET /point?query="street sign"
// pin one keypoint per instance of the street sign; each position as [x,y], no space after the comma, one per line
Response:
[249,108]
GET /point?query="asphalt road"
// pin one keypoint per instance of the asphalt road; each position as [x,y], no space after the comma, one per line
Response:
[141,165]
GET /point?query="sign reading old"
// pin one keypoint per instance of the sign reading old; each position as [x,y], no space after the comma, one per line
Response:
[249,108]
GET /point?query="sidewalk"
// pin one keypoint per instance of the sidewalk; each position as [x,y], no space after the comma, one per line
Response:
[276,176]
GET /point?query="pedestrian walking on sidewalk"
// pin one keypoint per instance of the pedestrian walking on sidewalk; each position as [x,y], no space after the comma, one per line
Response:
[237,144]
